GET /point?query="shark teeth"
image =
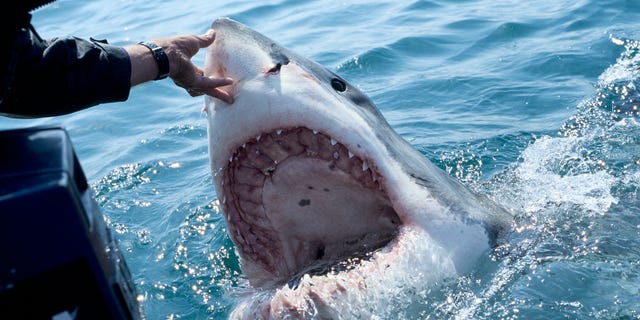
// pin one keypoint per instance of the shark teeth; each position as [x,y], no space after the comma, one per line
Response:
[255,162]
[262,156]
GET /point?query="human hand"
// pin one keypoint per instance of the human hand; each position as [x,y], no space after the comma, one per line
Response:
[185,74]
[180,50]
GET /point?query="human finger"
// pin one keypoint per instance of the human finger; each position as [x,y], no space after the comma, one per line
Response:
[220,94]
[206,39]
[214,90]
[210,86]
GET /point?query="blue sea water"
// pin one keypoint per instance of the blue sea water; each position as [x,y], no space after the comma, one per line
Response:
[533,103]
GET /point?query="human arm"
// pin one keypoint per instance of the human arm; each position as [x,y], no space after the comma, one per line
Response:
[63,75]
[52,77]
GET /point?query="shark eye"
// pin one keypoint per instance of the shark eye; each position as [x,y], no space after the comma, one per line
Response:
[338,85]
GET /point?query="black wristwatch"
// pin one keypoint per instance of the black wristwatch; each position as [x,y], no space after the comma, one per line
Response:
[160,57]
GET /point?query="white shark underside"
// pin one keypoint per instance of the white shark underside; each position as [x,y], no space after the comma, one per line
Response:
[321,197]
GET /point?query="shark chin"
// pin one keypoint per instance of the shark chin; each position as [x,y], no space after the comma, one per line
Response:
[332,214]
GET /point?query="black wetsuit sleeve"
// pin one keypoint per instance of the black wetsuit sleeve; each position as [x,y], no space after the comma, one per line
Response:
[62,75]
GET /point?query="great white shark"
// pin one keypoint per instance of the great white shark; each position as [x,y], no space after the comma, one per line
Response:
[330,210]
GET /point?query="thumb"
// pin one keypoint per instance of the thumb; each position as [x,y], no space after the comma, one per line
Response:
[207,38]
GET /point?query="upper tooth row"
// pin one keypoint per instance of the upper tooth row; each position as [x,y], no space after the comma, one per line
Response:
[365,166]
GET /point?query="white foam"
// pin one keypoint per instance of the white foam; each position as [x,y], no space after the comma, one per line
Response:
[401,277]
[541,183]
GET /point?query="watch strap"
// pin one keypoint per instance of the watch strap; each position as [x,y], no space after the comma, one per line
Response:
[161,58]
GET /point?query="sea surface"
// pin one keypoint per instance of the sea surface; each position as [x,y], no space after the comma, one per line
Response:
[534,103]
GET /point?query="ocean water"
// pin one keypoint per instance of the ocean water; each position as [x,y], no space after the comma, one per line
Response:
[534,103]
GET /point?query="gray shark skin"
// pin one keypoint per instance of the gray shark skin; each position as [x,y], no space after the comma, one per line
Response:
[328,207]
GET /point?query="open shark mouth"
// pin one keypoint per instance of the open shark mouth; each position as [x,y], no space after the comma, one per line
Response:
[326,204]
[299,202]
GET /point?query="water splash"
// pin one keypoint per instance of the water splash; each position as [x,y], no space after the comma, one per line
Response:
[394,285]
[571,193]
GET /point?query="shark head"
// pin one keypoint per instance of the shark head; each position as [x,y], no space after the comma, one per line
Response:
[319,193]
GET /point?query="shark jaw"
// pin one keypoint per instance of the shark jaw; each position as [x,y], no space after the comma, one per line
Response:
[322,198]
[299,202]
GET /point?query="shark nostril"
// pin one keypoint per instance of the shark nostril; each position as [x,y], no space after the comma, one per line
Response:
[275,69]
[338,85]
[320,252]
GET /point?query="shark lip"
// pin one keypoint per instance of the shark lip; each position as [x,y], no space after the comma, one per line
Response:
[298,202]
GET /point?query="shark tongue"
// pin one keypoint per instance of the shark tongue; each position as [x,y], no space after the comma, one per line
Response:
[296,198]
